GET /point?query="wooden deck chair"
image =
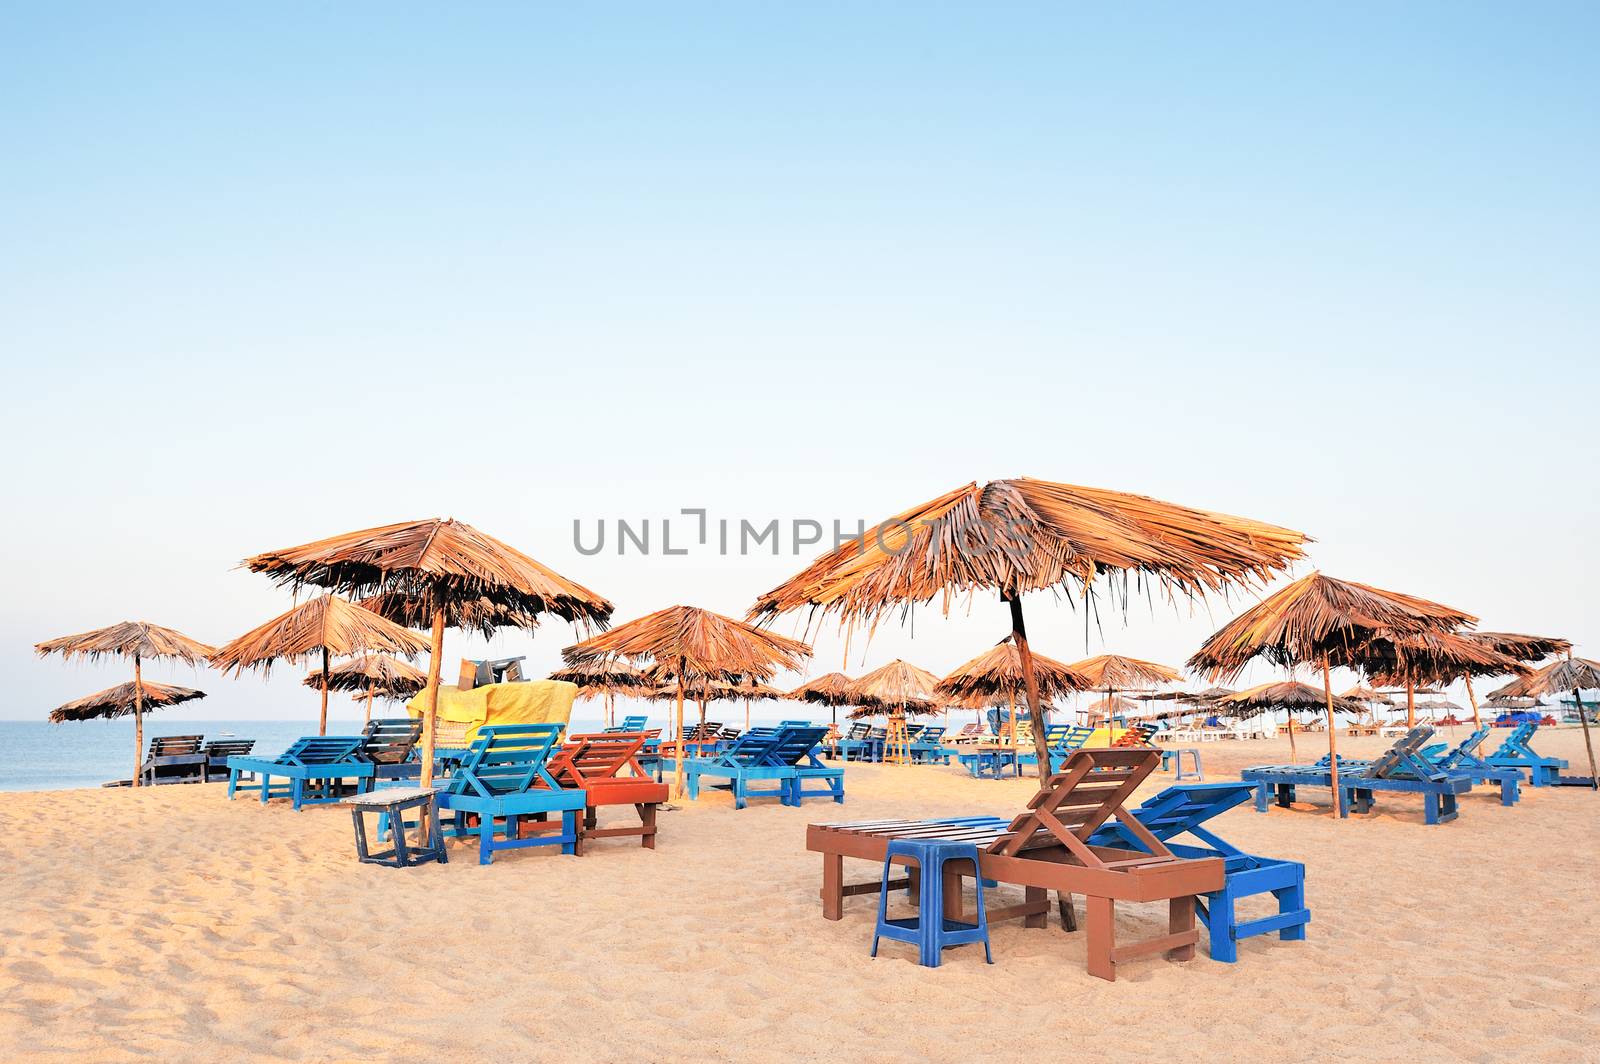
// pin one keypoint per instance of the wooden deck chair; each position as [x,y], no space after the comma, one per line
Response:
[388,743]
[503,779]
[218,751]
[606,768]
[310,772]
[174,759]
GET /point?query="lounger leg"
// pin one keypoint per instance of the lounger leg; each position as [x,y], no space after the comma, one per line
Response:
[233,782]
[1450,808]
[485,839]
[1262,797]
[647,817]
[569,832]
[833,886]
[1038,901]
[1292,899]
[266,786]
[1219,926]
[297,793]
[1181,919]
[1069,917]
[1102,937]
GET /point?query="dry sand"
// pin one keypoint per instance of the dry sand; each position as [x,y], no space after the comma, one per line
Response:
[172,925]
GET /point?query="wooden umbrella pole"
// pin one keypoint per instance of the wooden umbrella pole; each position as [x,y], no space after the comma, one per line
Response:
[372,688]
[1472,698]
[747,714]
[677,771]
[1333,745]
[138,720]
[322,719]
[431,708]
[1019,635]
[1594,779]
[1411,702]
[1293,756]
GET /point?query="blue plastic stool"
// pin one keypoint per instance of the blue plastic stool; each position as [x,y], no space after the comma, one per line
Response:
[930,930]
[1172,757]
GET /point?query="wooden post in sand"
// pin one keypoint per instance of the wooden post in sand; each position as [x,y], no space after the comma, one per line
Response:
[677,772]
[322,720]
[138,720]
[1019,636]
[1472,698]
[1333,751]
[431,708]
[372,687]
[1577,698]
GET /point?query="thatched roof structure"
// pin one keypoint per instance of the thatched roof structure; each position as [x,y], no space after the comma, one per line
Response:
[898,687]
[328,624]
[995,678]
[1367,694]
[829,689]
[601,678]
[1015,536]
[1289,695]
[1431,658]
[468,614]
[1559,677]
[1113,672]
[1440,705]
[377,673]
[139,640]
[1319,615]
[1525,648]
[1510,702]
[119,701]
[712,691]
[431,561]
[1114,705]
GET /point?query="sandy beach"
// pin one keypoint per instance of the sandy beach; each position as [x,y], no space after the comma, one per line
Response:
[171,924]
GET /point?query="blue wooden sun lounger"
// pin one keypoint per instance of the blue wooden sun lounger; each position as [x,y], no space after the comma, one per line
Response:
[1516,753]
[1181,810]
[1401,768]
[785,758]
[502,780]
[1463,760]
[928,748]
[310,770]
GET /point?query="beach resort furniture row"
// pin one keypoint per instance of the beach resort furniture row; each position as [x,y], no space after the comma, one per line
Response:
[779,762]
[991,760]
[922,744]
[1077,837]
[325,768]
[1440,774]
[186,759]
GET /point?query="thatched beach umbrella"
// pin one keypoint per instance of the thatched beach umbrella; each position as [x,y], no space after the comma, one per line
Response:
[692,645]
[1291,696]
[1016,536]
[124,699]
[896,688]
[1112,673]
[995,678]
[373,675]
[459,573]
[1527,649]
[1432,659]
[327,625]
[606,680]
[138,641]
[830,689]
[1318,620]
[1573,674]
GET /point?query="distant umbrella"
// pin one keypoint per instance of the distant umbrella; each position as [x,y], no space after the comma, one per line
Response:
[831,689]
[606,680]
[1323,621]
[123,700]
[1112,673]
[1291,696]
[692,645]
[137,641]
[1433,658]
[374,675]
[327,625]
[995,678]
[454,571]
[1016,536]
[896,689]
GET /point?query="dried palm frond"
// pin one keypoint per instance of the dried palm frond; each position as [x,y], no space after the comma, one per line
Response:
[1113,672]
[327,623]
[1290,695]
[372,672]
[1367,694]
[1525,648]
[995,677]
[119,701]
[1319,615]
[1021,535]
[695,643]
[829,689]
[897,686]
[1559,677]
[713,691]
[435,561]
[1431,658]
[130,639]
[1114,705]
[468,614]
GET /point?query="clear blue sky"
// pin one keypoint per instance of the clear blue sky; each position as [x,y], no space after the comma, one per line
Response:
[273,272]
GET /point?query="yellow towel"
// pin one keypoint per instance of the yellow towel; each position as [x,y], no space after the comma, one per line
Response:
[462,713]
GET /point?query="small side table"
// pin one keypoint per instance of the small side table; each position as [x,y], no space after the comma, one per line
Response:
[392,804]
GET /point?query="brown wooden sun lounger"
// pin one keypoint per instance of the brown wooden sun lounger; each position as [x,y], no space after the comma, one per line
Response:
[1044,849]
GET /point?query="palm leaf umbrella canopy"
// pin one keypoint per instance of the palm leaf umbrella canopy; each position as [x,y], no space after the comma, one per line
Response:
[1323,621]
[1291,696]
[327,624]
[995,678]
[831,689]
[896,689]
[692,645]
[1573,674]
[452,568]
[606,680]
[1112,673]
[138,641]
[373,675]
[124,699]
[471,615]
[1016,536]
[1437,659]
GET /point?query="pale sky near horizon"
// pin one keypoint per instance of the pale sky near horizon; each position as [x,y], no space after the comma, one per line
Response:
[272,273]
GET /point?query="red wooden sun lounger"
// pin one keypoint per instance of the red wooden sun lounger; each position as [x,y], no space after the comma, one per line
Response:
[1045,849]
[605,766]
